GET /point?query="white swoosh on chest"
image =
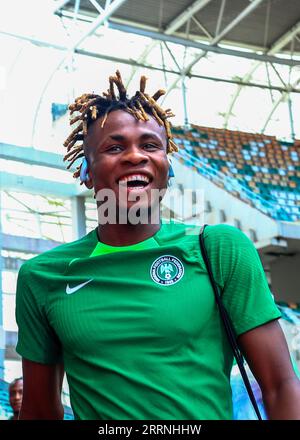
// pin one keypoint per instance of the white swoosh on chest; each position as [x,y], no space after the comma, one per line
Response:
[70,290]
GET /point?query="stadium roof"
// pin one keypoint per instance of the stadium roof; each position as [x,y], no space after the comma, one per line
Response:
[262,36]
[268,26]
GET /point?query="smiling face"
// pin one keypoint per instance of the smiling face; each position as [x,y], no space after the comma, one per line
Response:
[127,154]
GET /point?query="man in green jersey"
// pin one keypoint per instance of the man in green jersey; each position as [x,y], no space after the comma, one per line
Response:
[128,311]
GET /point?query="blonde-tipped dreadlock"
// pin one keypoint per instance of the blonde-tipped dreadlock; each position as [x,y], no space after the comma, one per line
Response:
[92,107]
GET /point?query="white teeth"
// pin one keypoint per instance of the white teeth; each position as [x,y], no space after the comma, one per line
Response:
[134,177]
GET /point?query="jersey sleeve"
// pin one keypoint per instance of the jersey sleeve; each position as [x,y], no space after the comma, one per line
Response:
[240,275]
[37,341]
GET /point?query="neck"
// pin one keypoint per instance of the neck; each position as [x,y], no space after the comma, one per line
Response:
[125,235]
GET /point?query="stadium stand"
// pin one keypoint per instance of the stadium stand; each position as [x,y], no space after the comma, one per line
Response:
[258,169]
[5,408]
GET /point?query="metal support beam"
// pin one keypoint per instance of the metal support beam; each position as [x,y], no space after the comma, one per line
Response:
[220,17]
[172,56]
[253,5]
[32,156]
[202,28]
[279,44]
[97,6]
[161,37]
[25,184]
[246,79]
[247,11]
[59,5]
[290,106]
[285,85]
[141,60]
[112,7]
[27,244]
[179,21]
[262,58]
[204,47]
[186,118]
[172,27]
[78,217]
[284,39]
[185,42]
[163,64]
[76,8]
[283,96]
[269,82]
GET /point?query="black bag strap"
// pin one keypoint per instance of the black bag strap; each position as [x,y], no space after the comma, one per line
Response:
[228,325]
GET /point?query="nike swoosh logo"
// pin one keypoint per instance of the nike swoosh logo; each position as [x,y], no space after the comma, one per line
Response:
[70,290]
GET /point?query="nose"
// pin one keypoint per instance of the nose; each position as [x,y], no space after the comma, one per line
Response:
[135,156]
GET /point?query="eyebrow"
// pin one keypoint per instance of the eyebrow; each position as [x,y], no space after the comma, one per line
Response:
[144,136]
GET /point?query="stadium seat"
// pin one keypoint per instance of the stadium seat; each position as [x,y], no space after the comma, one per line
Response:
[267,170]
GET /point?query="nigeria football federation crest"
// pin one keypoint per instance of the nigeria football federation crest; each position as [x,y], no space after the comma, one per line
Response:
[167,270]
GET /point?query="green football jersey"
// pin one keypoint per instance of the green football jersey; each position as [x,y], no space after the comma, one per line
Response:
[137,327]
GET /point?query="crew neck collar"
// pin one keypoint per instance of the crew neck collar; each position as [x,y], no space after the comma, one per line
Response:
[103,248]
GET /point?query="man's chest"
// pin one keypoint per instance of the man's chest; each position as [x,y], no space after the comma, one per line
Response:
[130,301]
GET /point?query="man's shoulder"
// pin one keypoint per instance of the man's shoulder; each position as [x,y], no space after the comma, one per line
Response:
[224,230]
[61,255]
[220,239]
[223,235]
[213,233]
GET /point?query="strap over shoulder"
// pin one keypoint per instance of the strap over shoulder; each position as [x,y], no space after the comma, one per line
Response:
[227,324]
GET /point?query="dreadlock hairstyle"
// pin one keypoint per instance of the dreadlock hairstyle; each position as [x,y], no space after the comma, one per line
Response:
[91,107]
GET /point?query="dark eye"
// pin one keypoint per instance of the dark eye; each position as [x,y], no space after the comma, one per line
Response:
[115,149]
[150,147]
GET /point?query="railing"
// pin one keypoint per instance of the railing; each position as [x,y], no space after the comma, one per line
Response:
[230,184]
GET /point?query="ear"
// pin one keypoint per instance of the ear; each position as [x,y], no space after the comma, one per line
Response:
[88,181]
[85,174]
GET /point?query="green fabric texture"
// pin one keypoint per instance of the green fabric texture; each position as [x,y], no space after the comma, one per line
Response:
[138,328]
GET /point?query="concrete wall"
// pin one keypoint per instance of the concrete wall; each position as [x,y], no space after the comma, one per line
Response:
[234,209]
[285,275]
